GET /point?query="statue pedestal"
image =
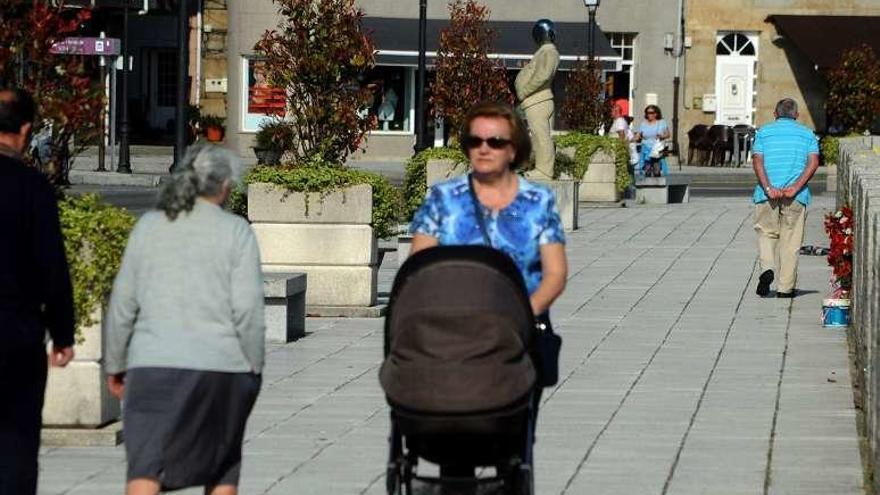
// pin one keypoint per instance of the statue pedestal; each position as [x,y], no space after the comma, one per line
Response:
[566,192]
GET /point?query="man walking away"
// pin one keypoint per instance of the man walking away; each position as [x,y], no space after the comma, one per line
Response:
[35,294]
[786,155]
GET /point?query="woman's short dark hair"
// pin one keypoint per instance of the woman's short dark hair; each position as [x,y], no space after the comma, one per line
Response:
[518,132]
[656,109]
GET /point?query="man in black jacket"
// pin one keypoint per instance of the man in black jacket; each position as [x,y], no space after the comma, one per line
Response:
[35,296]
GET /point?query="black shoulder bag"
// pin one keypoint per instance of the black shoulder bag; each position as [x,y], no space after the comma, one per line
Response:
[549,343]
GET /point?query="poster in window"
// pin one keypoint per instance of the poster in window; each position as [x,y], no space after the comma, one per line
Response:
[262,97]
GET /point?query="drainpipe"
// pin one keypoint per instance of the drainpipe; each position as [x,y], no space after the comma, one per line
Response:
[195,56]
[676,81]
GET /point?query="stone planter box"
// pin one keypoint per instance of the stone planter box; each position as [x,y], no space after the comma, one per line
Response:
[441,170]
[77,395]
[599,182]
[328,238]
[566,191]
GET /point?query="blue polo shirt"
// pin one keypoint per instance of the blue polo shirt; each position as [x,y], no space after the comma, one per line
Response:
[786,146]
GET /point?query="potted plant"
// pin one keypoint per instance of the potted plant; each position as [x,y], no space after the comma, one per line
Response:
[839,226]
[272,140]
[214,127]
[95,235]
[312,214]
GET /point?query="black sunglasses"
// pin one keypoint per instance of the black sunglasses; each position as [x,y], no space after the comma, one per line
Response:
[496,143]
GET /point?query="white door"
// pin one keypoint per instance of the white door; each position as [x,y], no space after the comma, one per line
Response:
[735,79]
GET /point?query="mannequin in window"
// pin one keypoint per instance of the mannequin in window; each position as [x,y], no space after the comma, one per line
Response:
[387,109]
[536,98]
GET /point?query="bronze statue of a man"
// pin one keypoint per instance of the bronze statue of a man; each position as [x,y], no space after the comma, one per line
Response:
[533,89]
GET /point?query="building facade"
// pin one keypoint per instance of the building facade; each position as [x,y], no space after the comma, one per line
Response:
[637,52]
[745,55]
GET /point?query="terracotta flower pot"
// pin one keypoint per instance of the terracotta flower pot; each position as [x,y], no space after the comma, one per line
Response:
[214,134]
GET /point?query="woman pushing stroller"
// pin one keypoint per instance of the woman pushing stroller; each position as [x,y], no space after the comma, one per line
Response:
[495,207]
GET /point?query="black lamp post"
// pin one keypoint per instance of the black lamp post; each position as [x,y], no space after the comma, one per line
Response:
[592,7]
[182,69]
[124,166]
[421,121]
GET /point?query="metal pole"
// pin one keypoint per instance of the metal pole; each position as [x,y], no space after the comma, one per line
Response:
[676,81]
[124,157]
[591,41]
[182,70]
[421,121]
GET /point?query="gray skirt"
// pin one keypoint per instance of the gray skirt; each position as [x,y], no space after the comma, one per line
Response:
[185,427]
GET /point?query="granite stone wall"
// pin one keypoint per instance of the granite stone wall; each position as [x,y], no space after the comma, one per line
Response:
[858,184]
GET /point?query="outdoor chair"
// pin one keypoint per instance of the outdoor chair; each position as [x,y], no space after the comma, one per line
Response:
[722,144]
[699,144]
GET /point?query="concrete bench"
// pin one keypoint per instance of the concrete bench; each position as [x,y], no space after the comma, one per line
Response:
[662,190]
[285,302]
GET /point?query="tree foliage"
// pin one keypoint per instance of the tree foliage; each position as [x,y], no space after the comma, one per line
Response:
[854,91]
[585,108]
[465,75]
[66,87]
[319,52]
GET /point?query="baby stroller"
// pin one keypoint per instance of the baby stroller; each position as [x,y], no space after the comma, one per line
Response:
[460,369]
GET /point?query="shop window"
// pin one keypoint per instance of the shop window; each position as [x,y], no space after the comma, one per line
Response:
[390,103]
[262,102]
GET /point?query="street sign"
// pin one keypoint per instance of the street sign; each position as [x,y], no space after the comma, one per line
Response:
[86,46]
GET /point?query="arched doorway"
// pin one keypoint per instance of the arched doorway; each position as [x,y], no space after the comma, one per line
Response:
[736,57]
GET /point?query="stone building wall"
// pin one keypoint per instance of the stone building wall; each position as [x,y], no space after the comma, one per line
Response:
[215,24]
[782,69]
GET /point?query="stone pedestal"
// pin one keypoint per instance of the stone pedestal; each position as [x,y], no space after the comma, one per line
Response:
[77,395]
[599,183]
[441,170]
[328,238]
[566,192]
[285,306]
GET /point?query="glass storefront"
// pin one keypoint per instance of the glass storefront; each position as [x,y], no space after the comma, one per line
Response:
[391,102]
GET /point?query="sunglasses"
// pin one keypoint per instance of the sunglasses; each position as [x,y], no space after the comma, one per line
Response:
[496,143]
[651,112]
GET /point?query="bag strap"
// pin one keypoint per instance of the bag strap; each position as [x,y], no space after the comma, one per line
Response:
[478,210]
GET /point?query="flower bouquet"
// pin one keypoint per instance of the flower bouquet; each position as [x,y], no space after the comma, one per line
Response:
[839,226]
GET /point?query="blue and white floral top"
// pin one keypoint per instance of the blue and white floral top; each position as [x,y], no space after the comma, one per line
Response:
[518,230]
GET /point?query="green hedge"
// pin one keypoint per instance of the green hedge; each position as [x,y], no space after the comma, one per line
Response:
[586,145]
[415,180]
[95,235]
[318,177]
[829,146]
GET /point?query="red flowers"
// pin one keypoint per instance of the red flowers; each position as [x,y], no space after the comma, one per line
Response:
[840,225]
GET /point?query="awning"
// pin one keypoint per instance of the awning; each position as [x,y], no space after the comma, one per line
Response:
[397,42]
[823,38]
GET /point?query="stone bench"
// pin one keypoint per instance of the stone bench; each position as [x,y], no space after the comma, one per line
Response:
[662,190]
[285,303]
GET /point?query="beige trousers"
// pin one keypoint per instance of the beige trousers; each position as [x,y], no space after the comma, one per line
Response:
[779,224]
[540,117]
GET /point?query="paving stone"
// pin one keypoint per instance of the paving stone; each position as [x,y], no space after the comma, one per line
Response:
[668,355]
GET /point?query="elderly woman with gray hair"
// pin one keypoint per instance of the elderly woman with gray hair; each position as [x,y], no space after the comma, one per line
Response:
[185,333]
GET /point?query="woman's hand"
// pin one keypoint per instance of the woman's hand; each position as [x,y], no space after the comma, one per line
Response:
[116,385]
[554,271]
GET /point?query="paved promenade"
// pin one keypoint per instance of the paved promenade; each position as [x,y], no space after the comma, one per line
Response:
[675,378]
